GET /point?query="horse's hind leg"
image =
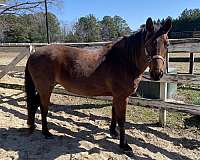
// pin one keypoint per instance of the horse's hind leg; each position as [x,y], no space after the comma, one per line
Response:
[113,131]
[32,109]
[32,98]
[45,99]
[44,87]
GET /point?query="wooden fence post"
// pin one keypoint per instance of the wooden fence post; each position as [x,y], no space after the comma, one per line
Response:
[163,95]
[163,111]
[167,62]
[191,67]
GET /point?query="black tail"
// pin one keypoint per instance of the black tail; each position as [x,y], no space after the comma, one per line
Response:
[32,97]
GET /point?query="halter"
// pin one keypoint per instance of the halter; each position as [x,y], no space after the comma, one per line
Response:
[151,58]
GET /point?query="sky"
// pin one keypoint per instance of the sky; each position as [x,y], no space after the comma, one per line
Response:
[135,12]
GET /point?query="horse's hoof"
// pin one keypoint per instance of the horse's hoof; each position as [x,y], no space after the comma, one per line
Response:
[47,135]
[31,128]
[114,134]
[126,148]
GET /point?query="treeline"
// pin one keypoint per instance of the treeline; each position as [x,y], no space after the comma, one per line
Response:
[185,25]
[189,20]
[28,28]
[32,28]
[89,29]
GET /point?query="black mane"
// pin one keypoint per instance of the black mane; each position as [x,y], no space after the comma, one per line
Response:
[127,50]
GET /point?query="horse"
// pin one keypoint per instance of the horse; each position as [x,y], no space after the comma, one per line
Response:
[113,70]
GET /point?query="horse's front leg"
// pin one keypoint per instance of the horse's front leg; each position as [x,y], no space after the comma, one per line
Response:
[120,111]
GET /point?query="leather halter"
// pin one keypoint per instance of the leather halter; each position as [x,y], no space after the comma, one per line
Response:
[157,57]
[151,58]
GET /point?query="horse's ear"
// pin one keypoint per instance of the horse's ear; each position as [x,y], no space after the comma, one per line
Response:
[149,25]
[167,25]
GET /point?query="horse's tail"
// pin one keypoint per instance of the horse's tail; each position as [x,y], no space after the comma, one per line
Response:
[32,97]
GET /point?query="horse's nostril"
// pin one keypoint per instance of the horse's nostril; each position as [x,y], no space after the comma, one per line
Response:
[161,74]
[151,74]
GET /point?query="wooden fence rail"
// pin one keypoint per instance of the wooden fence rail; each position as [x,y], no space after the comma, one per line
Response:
[183,59]
[176,46]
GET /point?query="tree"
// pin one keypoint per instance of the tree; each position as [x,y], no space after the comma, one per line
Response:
[113,27]
[190,14]
[72,37]
[122,27]
[87,29]
[29,28]
[14,29]
[108,28]
[189,20]
[25,6]
[54,27]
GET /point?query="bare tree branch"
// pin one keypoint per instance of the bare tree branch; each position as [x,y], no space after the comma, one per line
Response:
[17,6]
[22,6]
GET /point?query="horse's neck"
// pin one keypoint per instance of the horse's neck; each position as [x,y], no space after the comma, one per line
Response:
[141,63]
[131,58]
[137,58]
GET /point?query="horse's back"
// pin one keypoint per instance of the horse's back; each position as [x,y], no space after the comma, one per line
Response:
[73,68]
[66,62]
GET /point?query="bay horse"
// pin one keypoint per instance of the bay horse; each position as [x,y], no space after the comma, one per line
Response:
[114,70]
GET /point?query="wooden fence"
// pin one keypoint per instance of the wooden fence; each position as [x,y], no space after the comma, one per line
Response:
[163,104]
[188,34]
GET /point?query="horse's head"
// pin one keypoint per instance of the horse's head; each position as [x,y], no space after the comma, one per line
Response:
[156,42]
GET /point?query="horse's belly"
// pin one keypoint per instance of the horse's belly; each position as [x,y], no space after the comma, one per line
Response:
[86,88]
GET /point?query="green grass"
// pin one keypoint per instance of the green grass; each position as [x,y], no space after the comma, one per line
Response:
[191,95]
[142,115]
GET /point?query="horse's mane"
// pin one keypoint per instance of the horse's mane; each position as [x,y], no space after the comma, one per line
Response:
[124,51]
[130,45]
[127,47]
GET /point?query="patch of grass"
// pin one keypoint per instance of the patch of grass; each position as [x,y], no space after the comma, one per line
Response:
[190,95]
[141,114]
[177,119]
[138,114]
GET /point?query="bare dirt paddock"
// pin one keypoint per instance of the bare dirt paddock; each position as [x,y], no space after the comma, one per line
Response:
[81,131]
[81,128]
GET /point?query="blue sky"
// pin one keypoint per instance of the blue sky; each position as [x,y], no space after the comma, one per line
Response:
[135,12]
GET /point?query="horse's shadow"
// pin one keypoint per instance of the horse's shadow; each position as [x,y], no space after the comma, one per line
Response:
[193,121]
[15,74]
[13,138]
[20,140]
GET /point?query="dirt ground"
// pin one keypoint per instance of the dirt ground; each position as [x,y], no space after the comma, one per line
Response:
[81,131]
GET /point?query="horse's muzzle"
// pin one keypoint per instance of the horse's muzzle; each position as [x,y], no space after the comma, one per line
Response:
[156,75]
